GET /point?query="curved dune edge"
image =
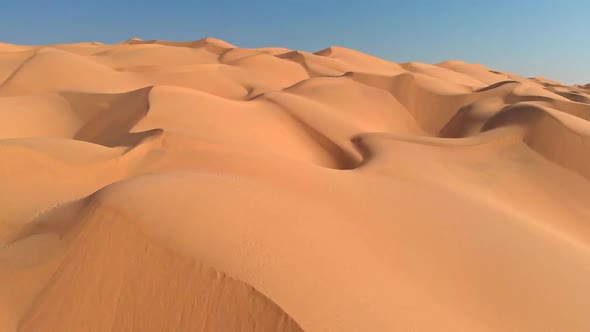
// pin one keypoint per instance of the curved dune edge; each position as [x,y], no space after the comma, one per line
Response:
[184,186]
[565,142]
[113,277]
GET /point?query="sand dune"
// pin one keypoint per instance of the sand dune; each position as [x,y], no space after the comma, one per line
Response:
[198,186]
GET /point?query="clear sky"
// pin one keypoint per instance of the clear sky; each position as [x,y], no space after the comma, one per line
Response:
[527,37]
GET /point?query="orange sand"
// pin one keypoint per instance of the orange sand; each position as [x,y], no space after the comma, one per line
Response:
[161,186]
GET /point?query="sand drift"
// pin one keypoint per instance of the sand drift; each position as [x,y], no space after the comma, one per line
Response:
[198,186]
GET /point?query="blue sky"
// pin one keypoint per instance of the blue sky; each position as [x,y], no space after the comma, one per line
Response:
[530,38]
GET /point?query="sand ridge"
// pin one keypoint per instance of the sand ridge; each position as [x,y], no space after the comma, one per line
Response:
[199,186]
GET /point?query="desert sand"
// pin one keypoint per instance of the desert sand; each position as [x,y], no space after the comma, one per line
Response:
[198,186]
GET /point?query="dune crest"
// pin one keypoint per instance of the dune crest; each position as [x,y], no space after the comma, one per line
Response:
[153,185]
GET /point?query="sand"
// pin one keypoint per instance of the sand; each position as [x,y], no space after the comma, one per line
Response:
[198,186]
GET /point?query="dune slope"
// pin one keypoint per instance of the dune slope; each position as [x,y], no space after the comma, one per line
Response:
[198,186]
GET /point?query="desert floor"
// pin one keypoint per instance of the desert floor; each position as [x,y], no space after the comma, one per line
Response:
[198,186]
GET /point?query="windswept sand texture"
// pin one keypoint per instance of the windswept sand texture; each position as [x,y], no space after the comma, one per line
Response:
[197,186]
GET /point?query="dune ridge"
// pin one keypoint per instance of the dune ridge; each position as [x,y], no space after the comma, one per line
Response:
[199,186]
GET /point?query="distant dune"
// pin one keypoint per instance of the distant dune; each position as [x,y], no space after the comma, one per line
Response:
[198,186]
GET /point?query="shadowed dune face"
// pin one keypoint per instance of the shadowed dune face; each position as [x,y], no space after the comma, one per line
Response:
[198,186]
